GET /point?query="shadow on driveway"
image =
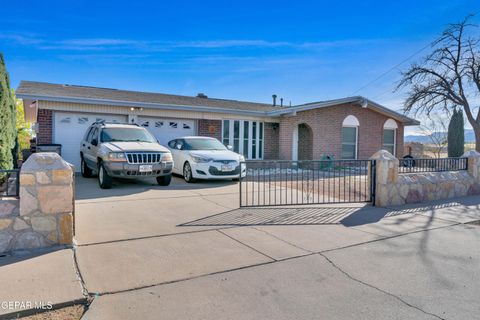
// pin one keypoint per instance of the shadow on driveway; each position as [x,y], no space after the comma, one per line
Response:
[88,188]
[347,215]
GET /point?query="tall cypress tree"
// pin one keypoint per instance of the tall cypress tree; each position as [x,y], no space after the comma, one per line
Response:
[456,134]
[8,131]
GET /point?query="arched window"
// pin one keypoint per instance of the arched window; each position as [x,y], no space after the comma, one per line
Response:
[350,137]
[390,136]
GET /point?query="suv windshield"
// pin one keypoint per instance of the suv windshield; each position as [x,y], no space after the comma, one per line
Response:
[203,144]
[126,134]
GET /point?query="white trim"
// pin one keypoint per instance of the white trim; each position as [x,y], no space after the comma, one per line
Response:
[390,124]
[231,137]
[394,140]
[295,143]
[350,121]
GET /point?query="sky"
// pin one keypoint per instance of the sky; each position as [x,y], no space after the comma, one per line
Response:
[303,51]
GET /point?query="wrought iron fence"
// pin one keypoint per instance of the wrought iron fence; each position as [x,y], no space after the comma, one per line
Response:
[412,165]
[282,183]
[9,182]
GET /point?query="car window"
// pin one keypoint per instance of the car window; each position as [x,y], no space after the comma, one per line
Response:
[93,135]
[126,134]
[181,142]
[172,144]
[203,144]
[89,132]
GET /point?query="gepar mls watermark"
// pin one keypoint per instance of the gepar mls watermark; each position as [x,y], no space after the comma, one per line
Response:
[19,305]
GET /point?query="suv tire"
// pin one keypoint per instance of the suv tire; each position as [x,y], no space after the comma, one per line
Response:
[86,171]
[104,180]
[164,180]
[187,173]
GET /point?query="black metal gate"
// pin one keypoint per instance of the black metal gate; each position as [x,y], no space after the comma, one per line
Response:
[283,183]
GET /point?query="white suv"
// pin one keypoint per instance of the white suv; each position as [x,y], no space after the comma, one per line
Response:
[123,151]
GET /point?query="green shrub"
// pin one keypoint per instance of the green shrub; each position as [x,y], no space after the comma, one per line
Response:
[456,134]
[8,131]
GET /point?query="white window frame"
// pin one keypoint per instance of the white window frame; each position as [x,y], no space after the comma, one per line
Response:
[250,135]
[394,140]
[390,124]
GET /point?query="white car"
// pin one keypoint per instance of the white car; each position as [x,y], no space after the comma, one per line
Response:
[205,158]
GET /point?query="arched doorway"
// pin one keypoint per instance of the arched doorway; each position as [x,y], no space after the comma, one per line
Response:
[302,148]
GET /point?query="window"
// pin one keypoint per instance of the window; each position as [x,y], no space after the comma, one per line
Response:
[350,138]
[389,135]
[254,140]
[172,144]
[93,135]
[126,134]
[246,137]
[236,136]
[349,142]
[226,132]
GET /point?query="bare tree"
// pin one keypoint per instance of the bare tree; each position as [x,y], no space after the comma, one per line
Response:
[448,77]
[435,128]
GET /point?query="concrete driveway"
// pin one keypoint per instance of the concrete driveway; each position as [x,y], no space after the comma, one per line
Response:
[187,252]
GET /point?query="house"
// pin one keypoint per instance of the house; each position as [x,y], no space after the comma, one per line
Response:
[348,128]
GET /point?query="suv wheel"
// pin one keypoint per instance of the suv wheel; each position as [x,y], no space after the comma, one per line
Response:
[86,171]
[187,173]
[164,180]
[104,180]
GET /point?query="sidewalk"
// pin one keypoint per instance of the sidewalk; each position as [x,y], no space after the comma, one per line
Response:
[417,262]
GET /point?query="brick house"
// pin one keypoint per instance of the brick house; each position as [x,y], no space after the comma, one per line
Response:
[349,128]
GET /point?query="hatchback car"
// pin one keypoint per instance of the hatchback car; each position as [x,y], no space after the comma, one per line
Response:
[205,158]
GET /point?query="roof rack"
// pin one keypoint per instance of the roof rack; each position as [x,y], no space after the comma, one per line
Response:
[103,122]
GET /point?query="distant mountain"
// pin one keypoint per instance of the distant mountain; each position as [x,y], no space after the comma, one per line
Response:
[469,137]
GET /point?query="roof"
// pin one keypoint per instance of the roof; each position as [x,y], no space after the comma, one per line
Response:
[361,101]
[31,90]
[37,90]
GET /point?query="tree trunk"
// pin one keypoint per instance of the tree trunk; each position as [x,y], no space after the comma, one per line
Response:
[476,130]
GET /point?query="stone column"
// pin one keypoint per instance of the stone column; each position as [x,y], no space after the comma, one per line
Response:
[473,164]
[386,170]
[46,201]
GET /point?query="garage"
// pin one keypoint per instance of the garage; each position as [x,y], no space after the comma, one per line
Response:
[69,129]
[168,129]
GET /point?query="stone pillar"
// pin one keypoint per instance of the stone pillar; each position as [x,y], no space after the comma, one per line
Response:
[386,178]
[46,201]
[473,164]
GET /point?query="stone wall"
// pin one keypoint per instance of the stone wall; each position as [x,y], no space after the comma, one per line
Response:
[43,216]
[393,188]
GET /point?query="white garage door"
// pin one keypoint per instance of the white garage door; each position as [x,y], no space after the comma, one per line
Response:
[69,129]
[167,129]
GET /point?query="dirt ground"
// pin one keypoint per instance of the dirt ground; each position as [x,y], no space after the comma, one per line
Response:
[68,313]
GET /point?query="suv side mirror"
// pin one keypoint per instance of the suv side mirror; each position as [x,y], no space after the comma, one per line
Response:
[94,142]
[229,147]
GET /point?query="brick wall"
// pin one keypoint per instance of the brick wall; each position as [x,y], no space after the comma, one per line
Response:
[210,128]
[271,142]
[45,126]
[326,125]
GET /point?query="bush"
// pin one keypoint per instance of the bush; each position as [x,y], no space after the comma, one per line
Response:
[8,131]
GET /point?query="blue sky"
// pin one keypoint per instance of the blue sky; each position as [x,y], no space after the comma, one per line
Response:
[303,51]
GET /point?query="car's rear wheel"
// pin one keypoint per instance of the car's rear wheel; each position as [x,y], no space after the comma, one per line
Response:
[187,173]
[86,171]
[164,180]
[104,180]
